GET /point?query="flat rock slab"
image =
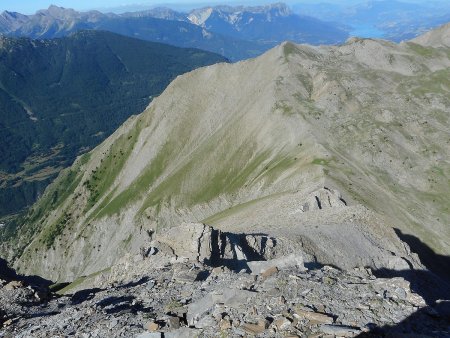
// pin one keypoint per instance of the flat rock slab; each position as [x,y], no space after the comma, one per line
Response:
[314,316]
[339,330]
[150,335]
[183,332]
[292,260]
[254,329]
[233,298]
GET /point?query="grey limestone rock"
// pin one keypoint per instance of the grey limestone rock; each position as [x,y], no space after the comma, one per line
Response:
[290,261]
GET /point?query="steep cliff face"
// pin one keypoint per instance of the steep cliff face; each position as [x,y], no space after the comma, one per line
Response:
[329,147]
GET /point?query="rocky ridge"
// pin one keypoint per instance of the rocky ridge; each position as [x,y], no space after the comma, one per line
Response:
[268,24]
[329,146]
[189,289]
[233,15]
[439,37]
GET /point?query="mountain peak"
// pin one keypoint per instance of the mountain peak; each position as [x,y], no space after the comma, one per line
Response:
[439,37]
[281,6]
[232,14]
[11,20]
[54,7]
[165,13]
[10,14]
[57,9]
[56,12]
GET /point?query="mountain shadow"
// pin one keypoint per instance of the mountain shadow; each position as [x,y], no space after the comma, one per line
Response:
[438,264]
[8,274]
[432,284]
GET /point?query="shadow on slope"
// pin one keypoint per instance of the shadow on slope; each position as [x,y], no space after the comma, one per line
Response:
[237,244]
[438,264]
[432,284]
[9,274]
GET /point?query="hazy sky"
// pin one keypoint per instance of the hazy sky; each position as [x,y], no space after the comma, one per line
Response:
[31,6]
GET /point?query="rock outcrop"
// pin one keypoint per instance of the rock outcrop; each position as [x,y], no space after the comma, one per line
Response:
[204,244]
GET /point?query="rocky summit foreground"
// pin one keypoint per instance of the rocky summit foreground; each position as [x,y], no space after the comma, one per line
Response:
[208,286]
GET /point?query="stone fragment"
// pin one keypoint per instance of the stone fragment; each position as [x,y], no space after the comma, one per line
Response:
[282,323]
[258,328]
[113,323]
[328,280]
[233,298]
[269,272]
[236,298]
[150,284]
[149,335]
[14,285]
[264,322]
[205,322]
[185,275]
[319,308]
[174,308]
[224,324]
[315,335]
[152,326]
[7,322]
[183,332]
[173,322]
[339,330]
[42,295]
[316,318]
[198,308]
[292,260]
[219,270]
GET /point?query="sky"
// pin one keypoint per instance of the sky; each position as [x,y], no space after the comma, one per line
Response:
[31,6]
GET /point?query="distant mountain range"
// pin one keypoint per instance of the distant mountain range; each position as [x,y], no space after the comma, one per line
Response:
[61,97]
[241,32]
[235,32]
[270,24]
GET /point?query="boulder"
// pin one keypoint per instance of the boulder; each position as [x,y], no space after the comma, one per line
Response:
[233,298]
[292,260]
[339,330]
[183,332]
[199,243]
[315,317]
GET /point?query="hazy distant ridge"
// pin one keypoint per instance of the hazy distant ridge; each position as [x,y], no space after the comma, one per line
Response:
[234,32]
